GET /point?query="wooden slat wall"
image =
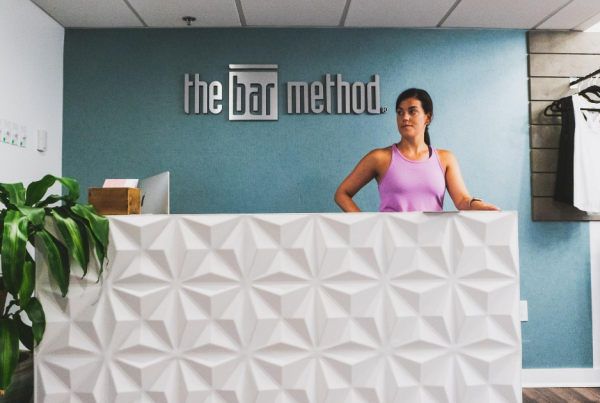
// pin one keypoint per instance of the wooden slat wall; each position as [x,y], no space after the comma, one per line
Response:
[554,56]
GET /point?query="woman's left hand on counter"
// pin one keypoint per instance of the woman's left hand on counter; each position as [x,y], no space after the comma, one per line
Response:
[479,205]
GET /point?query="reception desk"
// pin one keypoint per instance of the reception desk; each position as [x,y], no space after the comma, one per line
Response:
[370,307]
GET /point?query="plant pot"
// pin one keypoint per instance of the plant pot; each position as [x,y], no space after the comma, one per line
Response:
[21,388]
[3,294]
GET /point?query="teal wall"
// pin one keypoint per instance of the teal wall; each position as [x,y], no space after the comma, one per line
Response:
[123,118]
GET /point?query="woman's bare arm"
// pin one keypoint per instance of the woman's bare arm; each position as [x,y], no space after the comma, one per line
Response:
[367,169]
[456,185]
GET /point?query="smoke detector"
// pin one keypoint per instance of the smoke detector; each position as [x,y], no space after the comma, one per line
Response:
[189,20]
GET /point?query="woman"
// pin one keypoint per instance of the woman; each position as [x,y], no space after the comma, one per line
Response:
[412,175]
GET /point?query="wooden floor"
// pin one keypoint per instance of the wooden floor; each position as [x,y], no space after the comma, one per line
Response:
[561,395]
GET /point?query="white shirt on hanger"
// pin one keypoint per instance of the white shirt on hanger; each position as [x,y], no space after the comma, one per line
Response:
[586,158]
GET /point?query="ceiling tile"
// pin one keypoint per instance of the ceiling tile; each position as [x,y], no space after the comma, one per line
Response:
[572,15]
[90,13]
[208,13]
[589,24]
[516,14]
[293,13]
[394,13]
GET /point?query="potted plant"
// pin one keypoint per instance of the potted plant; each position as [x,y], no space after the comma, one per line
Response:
[21,221]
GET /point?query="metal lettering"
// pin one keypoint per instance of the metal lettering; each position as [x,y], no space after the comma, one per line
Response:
[254,93]
[328,85]
[341,99]
[186,90]
[358,97]
[210,94]
[197,86]
[298,86]
[373,87]
[216,94]
[316,96]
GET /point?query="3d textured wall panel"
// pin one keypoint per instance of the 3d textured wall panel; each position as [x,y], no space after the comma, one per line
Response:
[327,308]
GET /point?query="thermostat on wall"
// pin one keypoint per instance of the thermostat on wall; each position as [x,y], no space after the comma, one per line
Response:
[42,140]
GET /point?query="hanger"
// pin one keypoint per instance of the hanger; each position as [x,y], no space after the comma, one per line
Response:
[555,108]
[591,89]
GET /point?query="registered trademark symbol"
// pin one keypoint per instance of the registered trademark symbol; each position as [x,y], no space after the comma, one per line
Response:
[383,110]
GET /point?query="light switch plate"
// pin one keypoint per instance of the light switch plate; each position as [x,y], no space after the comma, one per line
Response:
[5,132]
[524,313]
[23,140]
[15,134]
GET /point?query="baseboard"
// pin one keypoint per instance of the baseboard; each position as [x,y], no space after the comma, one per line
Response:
[561,378]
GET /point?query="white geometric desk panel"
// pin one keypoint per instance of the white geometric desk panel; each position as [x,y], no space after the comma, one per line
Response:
[327,308]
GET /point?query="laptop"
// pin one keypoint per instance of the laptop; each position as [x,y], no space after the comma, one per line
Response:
[154,193]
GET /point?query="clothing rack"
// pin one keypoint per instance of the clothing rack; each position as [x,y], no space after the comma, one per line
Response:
[585,78]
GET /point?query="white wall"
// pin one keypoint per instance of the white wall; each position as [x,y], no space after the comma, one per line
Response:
[31,89]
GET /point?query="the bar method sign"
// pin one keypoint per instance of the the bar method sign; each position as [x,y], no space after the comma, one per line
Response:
[253,94]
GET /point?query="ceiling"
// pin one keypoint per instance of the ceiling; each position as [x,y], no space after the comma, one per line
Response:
[576,15]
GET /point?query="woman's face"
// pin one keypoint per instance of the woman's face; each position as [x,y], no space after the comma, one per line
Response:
[411,118]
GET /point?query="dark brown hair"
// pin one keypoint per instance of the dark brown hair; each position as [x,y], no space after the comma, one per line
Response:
[426,103]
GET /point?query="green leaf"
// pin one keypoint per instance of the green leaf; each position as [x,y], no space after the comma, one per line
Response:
[28,284]
[37,190]
[4,197]
[25,333]
[98,223]
[15,192]
[33,214]
[98,226]
[14,242]
[73,186]
[50,200]
[58,260]
[36,315]
[85,241]
[71,233]
[9,351]
[99,252]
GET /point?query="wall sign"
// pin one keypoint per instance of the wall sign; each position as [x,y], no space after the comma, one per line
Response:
[253,94]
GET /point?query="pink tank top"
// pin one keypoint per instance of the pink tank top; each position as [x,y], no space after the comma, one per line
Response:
[413,185]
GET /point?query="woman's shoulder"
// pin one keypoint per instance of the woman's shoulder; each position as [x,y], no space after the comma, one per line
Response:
[444,154]
[380,155]
[446,158]
[378,159]
[379,152]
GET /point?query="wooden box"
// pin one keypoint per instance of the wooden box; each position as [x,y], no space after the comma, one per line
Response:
[115,201]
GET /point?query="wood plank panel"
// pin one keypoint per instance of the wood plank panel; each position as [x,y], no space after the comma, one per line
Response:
[549,65]
[541,396]
[544,160]
[549,89]
[547,209]
[592,394]
[554,56]
[563,42]
[536,114]
[542,184]
[545,136]
[571,395]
